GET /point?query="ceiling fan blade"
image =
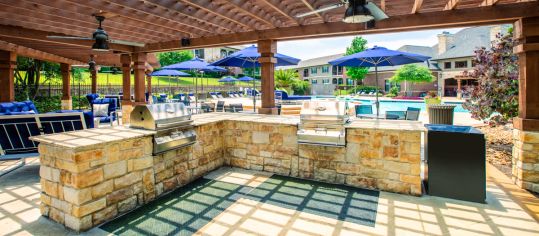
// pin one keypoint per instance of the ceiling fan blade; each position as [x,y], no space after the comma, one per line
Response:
[128,43]
[376,12]
[68,37]
[322,9]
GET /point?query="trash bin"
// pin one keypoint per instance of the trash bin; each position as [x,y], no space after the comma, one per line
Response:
[455,162]
[440,113]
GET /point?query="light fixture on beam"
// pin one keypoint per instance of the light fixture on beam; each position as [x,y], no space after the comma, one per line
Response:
[101,37]
[357,12]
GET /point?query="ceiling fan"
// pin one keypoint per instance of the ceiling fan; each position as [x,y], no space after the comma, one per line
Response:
[100,37]
[357,11]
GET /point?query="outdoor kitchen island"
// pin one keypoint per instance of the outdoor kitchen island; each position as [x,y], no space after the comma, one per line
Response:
[92,176]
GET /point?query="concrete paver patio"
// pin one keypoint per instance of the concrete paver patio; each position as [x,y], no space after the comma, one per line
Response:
[510,211]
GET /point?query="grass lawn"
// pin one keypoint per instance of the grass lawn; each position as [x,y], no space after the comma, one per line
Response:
[116,79]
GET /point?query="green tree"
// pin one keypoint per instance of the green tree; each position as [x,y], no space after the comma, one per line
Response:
[359,44]
[29,82]
[285,78]
[173,57]
[413,73]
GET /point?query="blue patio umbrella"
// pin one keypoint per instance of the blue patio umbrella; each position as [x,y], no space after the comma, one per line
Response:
[197,65]
[246,79]
[228,79]
[169,73]
[378,56]
[248,58]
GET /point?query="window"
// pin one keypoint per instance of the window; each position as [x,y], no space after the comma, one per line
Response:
[340,80]
[337,70]
[314,81]
[325,81]
[325,69]
[387,85]
[199,53]
[305,72]
[447,65]
[461,64]
[334,81]
[350,81]
[223,53]
[314,70]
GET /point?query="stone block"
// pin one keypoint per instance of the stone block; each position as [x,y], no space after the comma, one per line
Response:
[239,153]
[61,205]
[71,166]
[128,204]
[360,181]
[261,137]
[78,224]
[347,168]
[56,215]
[397,167]
[113,170]
[140,163]
[102,189]
[119,195]
[127,180]
[88,156]
[104,215]
[325,175]
[390,153]
[77,196]
[50,188]
[89,208]
[170,184]
[167,173]
[411,179]
[410,147]
[242,163]
[393,186]
[528,137]
[88,178]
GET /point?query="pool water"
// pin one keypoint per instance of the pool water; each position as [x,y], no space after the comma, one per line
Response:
[402,105]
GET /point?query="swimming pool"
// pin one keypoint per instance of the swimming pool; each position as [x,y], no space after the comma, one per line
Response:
[399,105]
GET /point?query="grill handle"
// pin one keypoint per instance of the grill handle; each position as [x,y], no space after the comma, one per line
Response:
[320,130]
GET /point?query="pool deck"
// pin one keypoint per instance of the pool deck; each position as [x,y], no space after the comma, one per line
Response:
[510,211]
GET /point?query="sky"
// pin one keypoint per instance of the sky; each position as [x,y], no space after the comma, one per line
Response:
[312,48]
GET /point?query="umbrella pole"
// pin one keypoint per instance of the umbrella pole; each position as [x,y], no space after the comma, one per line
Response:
[377,102]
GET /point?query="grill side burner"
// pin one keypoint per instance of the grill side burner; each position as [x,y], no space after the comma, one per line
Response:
[322,123]
[171,121]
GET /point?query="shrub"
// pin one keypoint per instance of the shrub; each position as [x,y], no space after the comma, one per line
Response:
[301,87]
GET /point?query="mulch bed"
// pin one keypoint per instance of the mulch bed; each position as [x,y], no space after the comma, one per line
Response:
[499,146]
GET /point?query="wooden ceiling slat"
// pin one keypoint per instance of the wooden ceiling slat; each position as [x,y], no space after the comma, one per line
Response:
[130,13]
[211,8]
[86,28]
[191,11]
[310,6]
[82,14]
[489,2]
[159,11]
[451,4]
[255,12]
[277,6]
[417,6]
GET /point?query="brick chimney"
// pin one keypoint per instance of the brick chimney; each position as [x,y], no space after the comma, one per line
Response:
[445,41]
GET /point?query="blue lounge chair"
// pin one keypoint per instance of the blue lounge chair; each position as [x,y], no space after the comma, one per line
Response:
[363,110]
[18,108]
[213,95]
[412,113]
[284,96]
[219,95]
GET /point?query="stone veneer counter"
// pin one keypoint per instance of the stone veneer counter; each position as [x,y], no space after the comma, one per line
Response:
[91,176]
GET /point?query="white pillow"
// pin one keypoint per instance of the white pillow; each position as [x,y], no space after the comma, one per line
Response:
[101,110]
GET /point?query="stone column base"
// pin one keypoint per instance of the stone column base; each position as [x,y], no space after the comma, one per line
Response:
[525,170]
[268,111]
[67,104]
[127,107]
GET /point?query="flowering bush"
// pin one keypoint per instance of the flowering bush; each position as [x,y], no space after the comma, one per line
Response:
[495,98]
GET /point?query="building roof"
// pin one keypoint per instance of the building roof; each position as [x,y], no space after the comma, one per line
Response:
[467,41]
[319,61]
[422,50]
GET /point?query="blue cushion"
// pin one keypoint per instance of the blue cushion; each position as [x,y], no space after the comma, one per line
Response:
[284,96]
[18,108]
[91,97]
[112,105]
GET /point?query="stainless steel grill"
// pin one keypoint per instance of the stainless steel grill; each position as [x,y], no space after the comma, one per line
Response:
[171,121]
[322,123]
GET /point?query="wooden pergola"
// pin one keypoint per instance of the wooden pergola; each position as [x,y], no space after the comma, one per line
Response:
[162,24]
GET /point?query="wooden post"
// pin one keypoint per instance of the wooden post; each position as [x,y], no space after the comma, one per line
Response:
[267,50]
[139,66]
[149,86]
[94,80]
[526,133]
[125,59]
[8,63]
[67,102]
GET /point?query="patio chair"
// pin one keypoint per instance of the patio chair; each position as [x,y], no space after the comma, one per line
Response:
[219,95]
[238,107]
[412,113]
[111,114]
[213,95]
[220,106]
[162,98]
[395,115]
[192,97]
[363,110]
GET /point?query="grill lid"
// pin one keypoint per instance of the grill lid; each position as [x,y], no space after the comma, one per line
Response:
[159,116]
[323,111]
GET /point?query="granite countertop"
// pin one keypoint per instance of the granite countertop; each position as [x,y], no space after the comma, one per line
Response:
[92,137]
[208,118]
[401,125]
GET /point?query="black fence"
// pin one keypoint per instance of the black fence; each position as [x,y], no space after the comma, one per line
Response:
[49,90]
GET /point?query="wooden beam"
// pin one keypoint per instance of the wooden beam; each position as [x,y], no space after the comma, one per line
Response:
[65,70]
[420,21]
[211,8]
[255,12]
[8,63]
[267,50]
[139,66]
[451,4]
[383,5]
[38,35]
[36,54]
[417,6]
[488,3]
